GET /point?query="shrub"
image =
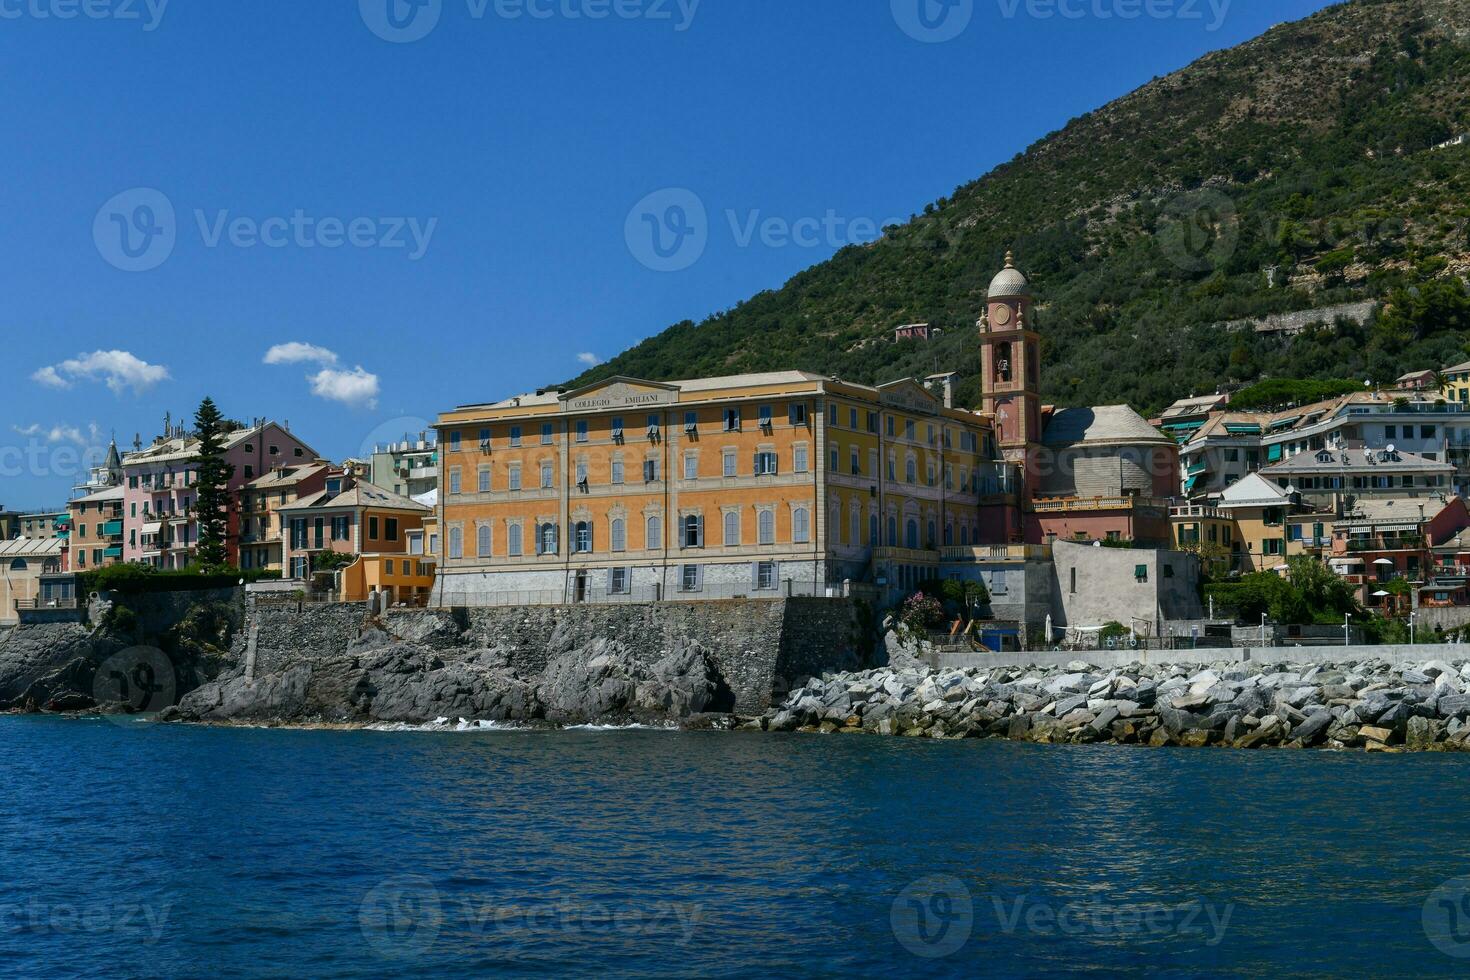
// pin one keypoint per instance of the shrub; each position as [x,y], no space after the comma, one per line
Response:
[922,612]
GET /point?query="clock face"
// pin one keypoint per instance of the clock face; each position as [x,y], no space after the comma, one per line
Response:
[1002,315]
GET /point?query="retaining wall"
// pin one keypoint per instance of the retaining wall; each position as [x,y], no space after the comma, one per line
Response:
[1107,659]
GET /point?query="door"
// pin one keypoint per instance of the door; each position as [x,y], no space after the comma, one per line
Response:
[581,587]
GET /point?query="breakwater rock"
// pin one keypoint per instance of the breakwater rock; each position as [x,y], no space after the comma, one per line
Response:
[1371,705]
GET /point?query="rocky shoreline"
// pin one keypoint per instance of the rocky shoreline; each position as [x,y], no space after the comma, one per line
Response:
[1371,705]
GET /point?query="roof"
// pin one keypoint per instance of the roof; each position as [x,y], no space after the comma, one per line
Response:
[429,499]
[1403,511]
[1009,282]
[107,493]
[30,548]
[553,396]
[1358,461]
[286,476]
[1252,491]
[364,494]
[183,448]
[1103,424]
[1194,406]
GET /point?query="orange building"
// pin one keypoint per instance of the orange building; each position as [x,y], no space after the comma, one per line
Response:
[348,517]
[745,485]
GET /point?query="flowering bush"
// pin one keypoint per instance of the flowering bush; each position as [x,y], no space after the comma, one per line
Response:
[922,612]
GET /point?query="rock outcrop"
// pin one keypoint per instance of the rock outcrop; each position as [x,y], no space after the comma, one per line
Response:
[1371,705]
[385,679]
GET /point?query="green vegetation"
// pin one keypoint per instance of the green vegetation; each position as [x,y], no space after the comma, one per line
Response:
[1294,172]
[1112,630]
[133,579]
[1279,393]
[1310,593]
[211,496]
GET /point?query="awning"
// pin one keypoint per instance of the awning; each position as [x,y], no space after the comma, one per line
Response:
[1183,426]
[1282,423]
[1197,468]
[1383,561]
[1243,430]
[153,527]
[1273,453]
[1189,484]
[1345,562]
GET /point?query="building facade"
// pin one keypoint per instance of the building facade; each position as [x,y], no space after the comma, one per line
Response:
[744,485]
[94,530]
[261,540]
[161,484]
[349,517]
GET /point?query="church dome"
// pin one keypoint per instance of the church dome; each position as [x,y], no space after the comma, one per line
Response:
[1009,282]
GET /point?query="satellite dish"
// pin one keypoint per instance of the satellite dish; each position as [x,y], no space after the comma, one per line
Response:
[1391,449]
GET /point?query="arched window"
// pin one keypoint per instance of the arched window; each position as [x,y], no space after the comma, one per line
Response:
[948,534]
[854,528]
[933,535]
[892,531]
[482,541]
[872,530]
[767,527]
[619,534]
[584,537]
[732,529]
[456,543]
[19,565]
[693,526]
[965,534]
[654,534]
[911,470]
[801,526]
[547,538]
[911,534]
[513,540]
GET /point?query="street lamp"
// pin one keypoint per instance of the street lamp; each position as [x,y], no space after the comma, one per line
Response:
[1346,634]
[1263,629]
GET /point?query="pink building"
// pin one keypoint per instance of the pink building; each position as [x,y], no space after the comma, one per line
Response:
[915,331]
[161,480]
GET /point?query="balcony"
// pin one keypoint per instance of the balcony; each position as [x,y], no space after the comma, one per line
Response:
[1067,505]
[906,556]
[1386,542]
[975,554]
[112,529]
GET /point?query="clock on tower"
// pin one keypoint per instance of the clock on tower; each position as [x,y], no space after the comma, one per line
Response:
[1010,366]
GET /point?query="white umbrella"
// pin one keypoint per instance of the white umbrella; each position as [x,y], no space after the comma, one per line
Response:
[1381,594]
[1383,561]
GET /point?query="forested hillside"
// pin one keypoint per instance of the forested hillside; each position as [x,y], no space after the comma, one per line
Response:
[1299,170]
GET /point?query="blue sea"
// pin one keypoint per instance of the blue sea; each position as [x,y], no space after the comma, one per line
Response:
[129,849]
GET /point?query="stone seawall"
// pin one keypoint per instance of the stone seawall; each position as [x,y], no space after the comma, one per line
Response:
[335,662]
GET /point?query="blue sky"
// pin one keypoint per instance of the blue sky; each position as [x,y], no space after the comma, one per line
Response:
[453,200]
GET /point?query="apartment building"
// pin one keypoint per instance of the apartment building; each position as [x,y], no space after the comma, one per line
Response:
[94,530]
[1228,445]
[261,541]
[348,517]
[742,485]
[161,488]
[409,468]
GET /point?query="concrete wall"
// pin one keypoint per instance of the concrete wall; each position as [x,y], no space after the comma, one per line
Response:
[1108,659]
[1095,586]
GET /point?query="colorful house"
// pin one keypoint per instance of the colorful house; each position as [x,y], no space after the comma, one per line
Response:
[346,518]
[94,530]
[260,500]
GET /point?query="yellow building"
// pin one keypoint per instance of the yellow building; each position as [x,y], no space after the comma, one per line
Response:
[261,542]
[407,579]
[93,530]
[746,485]
[1457,383]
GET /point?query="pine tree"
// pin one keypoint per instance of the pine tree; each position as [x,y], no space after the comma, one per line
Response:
[211,498]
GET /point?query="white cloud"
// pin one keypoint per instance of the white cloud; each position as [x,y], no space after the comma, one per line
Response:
[588,358]
[357,387]
[118,369]
[297,352]
[61,432]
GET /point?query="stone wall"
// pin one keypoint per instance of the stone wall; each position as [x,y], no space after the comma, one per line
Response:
[1107,659]
[1099,585]
[1295,323]
[760,647]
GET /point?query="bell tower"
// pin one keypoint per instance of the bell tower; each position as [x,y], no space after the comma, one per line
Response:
[1010,368]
